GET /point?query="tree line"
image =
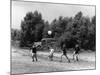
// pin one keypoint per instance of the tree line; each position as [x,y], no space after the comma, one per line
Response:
[70,30]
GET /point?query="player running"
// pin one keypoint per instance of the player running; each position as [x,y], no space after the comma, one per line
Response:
[76,52]
[64,53]
[51,53]
[34,53]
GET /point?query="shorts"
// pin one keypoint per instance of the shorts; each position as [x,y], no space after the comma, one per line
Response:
[33,54]
[64,53]
[75,52]
[51,56]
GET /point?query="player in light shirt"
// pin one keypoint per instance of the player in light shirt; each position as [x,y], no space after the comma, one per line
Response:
[51,53]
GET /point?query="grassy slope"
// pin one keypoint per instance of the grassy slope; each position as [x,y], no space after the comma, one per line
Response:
[22,62]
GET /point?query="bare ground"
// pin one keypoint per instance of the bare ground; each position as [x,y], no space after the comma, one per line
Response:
[21,62]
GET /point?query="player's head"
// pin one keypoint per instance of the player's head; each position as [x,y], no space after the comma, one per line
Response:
[76,45]
[64,45]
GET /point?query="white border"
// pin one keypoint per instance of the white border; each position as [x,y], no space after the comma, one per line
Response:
[5,36]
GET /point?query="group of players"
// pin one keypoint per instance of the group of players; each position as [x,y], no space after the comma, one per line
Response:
[51,52]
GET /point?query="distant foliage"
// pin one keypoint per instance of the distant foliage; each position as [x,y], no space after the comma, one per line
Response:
[15,35]
[78,30]
[67,30]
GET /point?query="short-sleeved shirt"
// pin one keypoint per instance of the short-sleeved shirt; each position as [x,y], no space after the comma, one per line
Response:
[51,51]
[77,49]
[34,50]
[64,51]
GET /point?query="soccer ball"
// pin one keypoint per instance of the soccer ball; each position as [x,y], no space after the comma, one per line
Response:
[49,32]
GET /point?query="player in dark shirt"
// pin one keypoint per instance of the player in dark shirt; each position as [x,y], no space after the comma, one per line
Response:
[34,52]
[76,52]
[64,53]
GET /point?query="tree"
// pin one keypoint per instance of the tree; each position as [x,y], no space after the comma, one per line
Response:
[92,34]
[77,30]
[15,34]
[45,30]
[59,26]
[31,28]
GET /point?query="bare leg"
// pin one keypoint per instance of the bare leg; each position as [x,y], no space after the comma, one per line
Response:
[33,58]
[77,57]
[61,58]
[36,57]
[73,56]
[49,57]
[67,58]
[52,58]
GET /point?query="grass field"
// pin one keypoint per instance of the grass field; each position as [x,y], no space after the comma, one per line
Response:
[21,62]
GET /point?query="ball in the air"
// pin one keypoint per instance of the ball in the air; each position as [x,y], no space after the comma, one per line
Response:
[49,32]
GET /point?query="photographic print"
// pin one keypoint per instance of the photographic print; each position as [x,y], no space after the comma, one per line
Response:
[52,37]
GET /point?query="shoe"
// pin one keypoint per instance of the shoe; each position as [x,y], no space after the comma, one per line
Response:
[60,61]
[69,61]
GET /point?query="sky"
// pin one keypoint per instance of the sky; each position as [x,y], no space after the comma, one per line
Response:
[49,11]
